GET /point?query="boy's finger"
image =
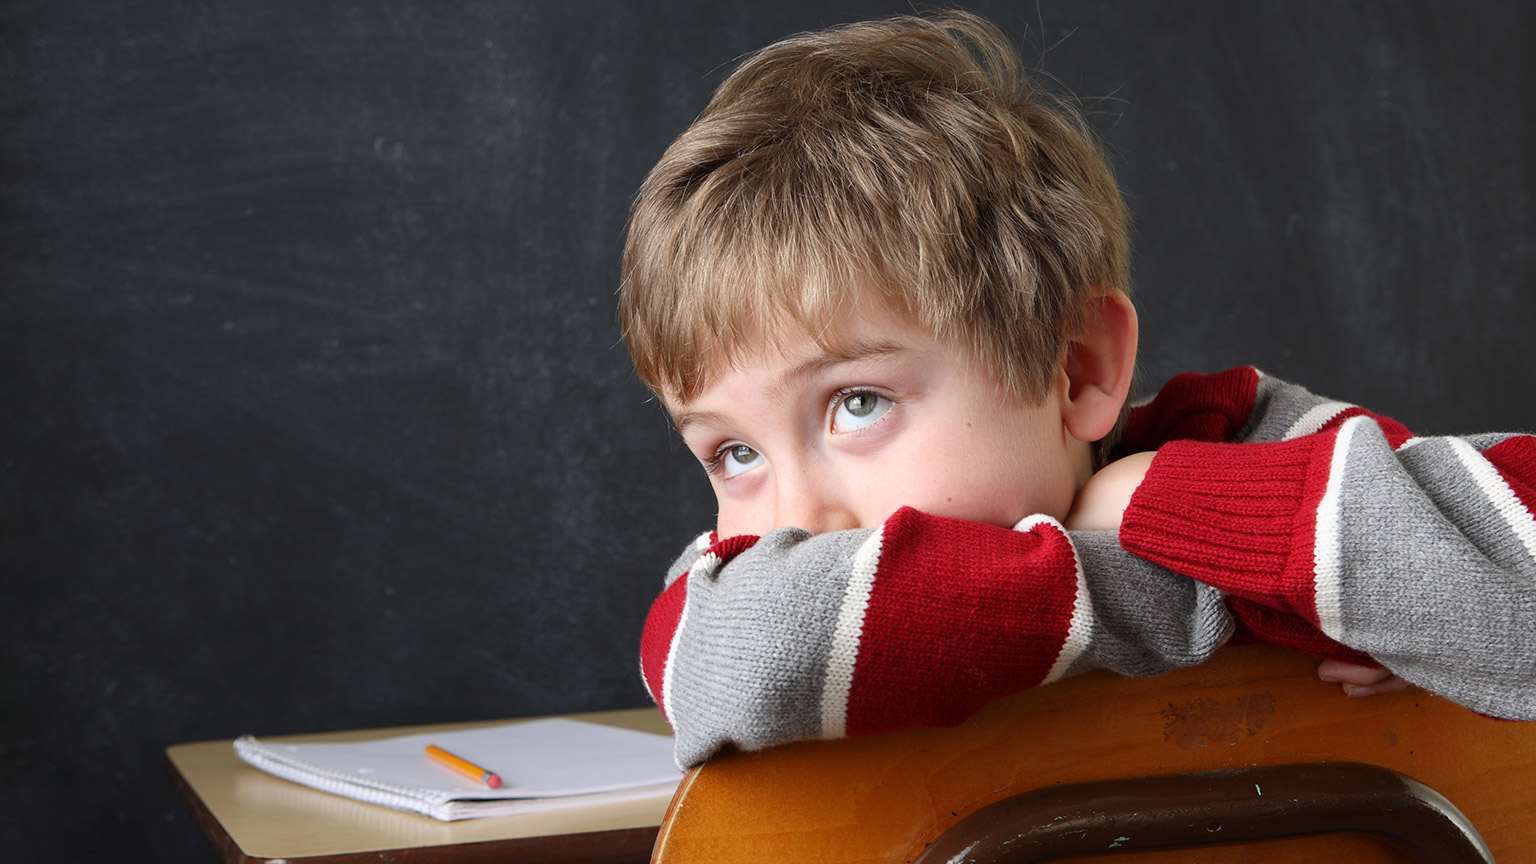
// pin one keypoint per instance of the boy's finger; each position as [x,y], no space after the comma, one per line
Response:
[1390,684]
[1335,672]
[1360,680]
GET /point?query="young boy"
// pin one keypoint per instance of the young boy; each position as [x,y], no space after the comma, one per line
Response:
[881,285]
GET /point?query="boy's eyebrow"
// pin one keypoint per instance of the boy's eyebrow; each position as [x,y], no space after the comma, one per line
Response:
[836,356]
[682,421]
[809,367]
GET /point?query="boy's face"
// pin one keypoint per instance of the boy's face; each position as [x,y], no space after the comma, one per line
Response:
[831,440]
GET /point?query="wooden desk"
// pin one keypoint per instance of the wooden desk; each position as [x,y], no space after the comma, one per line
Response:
[251,816]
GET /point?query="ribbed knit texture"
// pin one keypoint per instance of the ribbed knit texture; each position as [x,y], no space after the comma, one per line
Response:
[1234,515]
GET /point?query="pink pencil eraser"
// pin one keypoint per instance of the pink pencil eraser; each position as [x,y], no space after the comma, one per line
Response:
[493,781]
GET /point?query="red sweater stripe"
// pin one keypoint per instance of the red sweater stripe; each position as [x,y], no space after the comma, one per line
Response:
[1193,407]
[1233,515]
[1395,432]
[922,660]
[656,641]
[1515,459]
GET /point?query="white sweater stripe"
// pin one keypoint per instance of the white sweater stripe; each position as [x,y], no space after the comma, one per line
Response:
[1496,489]
[1315,418]
[666,670]
[844,651]
[1326,563]
[1080,628]
[707,564]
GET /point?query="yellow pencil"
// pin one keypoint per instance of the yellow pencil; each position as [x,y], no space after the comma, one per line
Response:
[464,766]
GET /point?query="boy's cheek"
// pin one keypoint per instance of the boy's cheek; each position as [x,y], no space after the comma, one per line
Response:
[727,522]
[989,513]
[738,505]
[732,519]
[1004,501]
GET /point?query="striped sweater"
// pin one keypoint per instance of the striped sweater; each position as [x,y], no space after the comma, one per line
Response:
[1268,512]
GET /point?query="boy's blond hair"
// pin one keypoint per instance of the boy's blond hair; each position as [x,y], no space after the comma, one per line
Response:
[908,158]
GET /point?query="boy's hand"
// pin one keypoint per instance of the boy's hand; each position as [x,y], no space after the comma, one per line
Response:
[1359,680]
[1101,502]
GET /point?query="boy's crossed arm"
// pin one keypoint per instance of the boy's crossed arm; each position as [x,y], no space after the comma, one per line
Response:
[919,622]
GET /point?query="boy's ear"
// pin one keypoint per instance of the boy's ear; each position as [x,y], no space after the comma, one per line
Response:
[1099,365]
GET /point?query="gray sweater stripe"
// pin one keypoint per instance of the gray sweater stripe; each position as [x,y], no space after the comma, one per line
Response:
[732,655]
[1467,489]
[1416,504]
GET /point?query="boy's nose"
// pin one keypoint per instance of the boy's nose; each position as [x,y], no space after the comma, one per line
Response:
[813,506]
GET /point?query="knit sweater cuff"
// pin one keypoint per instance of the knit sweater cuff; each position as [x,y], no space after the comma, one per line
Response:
[1239,517]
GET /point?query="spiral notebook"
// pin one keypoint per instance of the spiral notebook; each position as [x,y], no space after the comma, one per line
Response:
[543,765]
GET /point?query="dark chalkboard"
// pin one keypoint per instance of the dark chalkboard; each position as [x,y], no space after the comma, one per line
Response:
[313,412]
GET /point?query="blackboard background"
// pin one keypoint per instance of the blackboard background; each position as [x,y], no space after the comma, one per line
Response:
[312,409]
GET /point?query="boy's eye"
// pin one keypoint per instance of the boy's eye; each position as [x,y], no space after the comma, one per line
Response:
[858,410]
[737,459]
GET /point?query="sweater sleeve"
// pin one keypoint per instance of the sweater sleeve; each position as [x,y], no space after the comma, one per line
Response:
[1329,525]
[919,622]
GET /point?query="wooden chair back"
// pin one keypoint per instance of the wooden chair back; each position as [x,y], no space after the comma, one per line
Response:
[885,798]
